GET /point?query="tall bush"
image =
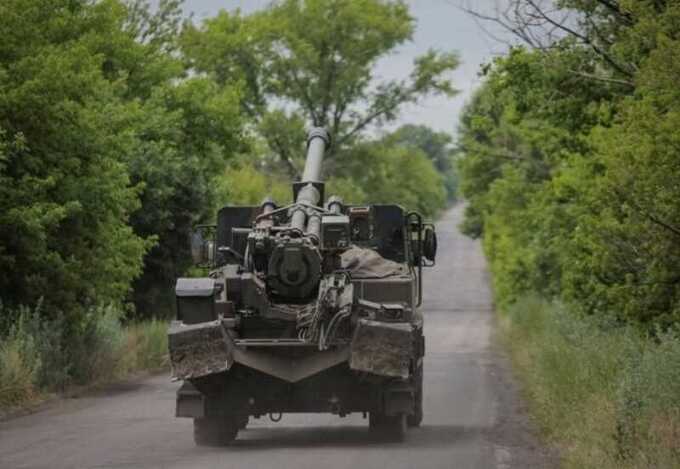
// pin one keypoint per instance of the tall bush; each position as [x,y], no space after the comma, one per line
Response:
[571,174]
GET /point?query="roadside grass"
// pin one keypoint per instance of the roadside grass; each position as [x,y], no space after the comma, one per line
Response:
[18,371]
[604,394]
[37,360]
[146,346]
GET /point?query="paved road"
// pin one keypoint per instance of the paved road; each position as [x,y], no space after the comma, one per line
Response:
[473,418]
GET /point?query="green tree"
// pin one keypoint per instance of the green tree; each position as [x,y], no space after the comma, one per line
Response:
[381,172]
[104,133]
[244,184]
[185,130]
[437,146]
[524,130]
[65,190]
[378,171]
[626,251]
[186,134]
[311,62]
[569,163]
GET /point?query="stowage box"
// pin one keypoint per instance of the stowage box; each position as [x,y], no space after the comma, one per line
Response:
[195,300]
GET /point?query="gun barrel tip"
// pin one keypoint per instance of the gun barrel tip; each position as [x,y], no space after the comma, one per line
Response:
[320,132]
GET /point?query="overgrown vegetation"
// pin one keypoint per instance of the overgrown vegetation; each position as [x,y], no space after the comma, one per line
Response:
[605,394]
[569,160]
[571,166]
[35,361]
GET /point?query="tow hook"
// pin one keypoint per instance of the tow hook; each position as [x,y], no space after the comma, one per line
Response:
[276,419]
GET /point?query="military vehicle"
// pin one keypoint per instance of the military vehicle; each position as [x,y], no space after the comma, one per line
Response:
[307,308]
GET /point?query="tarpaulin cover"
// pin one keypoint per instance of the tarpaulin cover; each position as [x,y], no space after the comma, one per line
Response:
[367,263]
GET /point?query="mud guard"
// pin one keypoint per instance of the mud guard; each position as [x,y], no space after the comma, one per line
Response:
[382,348]
[198,349]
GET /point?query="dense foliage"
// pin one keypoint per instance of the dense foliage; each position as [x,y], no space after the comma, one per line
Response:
[568,156]
[65,189]
[108,151]
[569,159]
[437,146]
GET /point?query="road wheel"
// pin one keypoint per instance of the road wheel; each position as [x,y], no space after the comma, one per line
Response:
[215,431]
[390,427]
[416,418]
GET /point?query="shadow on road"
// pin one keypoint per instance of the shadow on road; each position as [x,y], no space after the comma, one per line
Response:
[427,436]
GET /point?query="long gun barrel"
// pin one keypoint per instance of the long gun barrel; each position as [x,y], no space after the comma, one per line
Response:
[317,141]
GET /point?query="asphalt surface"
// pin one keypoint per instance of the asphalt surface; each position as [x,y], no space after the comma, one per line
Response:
[473,416]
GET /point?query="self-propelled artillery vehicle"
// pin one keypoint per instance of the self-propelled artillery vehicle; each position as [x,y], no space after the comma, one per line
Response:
[308,307]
